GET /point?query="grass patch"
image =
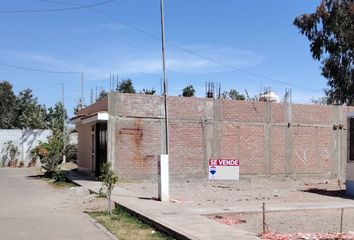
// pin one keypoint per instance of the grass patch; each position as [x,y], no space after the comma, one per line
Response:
[66,184]
[127,227]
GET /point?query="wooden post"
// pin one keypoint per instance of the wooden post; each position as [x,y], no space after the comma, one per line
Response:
[264,220]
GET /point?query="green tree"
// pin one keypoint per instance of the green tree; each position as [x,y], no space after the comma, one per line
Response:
[50,154]
[125,86]
[30,114]
[55,119]
[109,180]
[78,107]
[235,95]
[188,91]
[151,91]
[7,106]
[331,34]
[102,95]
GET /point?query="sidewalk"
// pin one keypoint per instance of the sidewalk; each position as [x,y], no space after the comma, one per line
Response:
[181,222]
[188,222]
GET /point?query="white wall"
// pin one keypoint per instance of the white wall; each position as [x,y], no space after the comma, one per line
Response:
[25,140]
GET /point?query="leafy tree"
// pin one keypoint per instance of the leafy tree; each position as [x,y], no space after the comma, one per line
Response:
[109,179]
[125,86]
[7,106]
[319,101]
[30,114]
[331,34]
[50,155]
[55,119]
[102,95]
[78,107]
[188,91]
[235,95]
[151,91]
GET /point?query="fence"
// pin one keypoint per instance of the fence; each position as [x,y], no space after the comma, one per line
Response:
[25,140]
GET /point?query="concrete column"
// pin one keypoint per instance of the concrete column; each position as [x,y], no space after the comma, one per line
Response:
[216,130]
[163,178]
[267,138]
[288,140]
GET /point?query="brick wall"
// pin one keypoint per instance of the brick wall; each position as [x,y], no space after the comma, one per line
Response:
[267,138]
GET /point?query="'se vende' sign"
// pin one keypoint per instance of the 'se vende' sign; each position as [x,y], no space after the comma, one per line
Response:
[224,169]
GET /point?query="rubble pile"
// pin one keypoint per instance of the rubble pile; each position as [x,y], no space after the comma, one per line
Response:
[307,236]
[228,220]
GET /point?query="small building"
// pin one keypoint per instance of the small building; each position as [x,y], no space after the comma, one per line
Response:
[91,124]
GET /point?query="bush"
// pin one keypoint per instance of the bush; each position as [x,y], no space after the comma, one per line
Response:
[109,180]
[58,175]
[11,153]
[50,155]
[71,152]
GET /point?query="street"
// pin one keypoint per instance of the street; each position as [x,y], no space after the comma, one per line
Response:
[33,210]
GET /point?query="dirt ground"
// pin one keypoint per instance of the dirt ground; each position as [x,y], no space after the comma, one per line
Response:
[249,190]
[309,221]
[256,190]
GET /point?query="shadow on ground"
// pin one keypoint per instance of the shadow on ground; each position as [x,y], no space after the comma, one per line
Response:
[330,193]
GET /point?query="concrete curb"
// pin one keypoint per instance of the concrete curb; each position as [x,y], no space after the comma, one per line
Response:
[101,227]
[161,227]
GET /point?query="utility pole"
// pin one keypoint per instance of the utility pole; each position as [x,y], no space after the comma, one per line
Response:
[64,130]
[163,168]
[165,83]
[82,90]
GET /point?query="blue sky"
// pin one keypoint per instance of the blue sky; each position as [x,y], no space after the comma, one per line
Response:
[254,36]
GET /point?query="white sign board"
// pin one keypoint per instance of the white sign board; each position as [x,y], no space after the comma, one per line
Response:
[224,169]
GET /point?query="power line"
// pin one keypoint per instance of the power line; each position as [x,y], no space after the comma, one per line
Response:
[37,70]
[46,87]
[56,9]
[191,51]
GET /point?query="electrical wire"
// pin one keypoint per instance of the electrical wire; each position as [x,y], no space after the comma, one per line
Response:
[184,49]
[191,51]
[37,70]
[55,9]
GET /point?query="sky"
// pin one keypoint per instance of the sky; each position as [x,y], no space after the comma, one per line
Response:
[243,45]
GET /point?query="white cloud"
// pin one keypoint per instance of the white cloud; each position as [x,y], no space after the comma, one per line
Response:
[134,60]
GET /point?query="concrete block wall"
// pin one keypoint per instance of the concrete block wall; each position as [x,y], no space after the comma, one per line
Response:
[267,138]
[25,140]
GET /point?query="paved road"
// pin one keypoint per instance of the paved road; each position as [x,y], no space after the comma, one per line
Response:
[31,209]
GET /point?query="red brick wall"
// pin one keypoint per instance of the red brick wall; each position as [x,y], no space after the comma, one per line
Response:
[267,138]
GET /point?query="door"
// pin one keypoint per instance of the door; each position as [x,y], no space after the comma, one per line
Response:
[101,146]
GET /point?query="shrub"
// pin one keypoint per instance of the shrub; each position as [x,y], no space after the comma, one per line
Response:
[58,175]
[50,155]
[109,179]
[11,153]
[71,152]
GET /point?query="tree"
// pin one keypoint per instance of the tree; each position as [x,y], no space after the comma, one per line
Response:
[30,114]
[50,154]
[125,86]
[102,95]
[331,34]
[151,91]
[78,107]
[319,101]
[55,119]
[7,106]
[235,95]
[188,91]
[109,179]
